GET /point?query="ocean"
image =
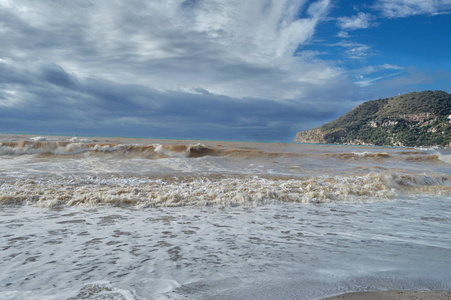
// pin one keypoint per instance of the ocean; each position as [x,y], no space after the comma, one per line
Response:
[122,218]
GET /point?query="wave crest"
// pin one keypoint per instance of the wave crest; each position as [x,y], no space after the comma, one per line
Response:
[76,146]
[45,147]
[216,190]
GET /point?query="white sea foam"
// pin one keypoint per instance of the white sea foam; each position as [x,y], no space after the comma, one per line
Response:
[161,150]
[177,151]
[52,148]
[445,158]
[79,140]
[274,252]
[202,191]
[39,139]
[371,154]
[72,148]
[107,148]
[427,148]
[103,290]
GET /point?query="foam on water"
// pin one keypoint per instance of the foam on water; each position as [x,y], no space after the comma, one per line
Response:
[278,251]
[444,158]
[137,219]
[215,190]
[179,150]
[39,138]
[79,140]
[103,290]
[371,154]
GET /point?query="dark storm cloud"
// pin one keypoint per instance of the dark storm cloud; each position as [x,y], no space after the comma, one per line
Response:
[187,4]
[56,75]
[60,102]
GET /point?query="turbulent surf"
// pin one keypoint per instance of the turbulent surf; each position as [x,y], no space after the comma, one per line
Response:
[117,218]
[82,172]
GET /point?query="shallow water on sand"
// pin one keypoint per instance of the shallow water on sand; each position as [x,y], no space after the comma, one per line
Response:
[234,221]
[288,250]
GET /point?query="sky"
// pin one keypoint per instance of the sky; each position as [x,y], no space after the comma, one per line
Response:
[254,70]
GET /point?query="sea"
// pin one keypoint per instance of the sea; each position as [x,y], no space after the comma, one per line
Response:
[123,218]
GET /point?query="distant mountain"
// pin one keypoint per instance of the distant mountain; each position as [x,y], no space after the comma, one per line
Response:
[414,119]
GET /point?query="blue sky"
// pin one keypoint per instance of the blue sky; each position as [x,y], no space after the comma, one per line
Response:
[212,69]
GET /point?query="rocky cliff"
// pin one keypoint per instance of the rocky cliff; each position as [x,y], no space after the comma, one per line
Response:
[414,119]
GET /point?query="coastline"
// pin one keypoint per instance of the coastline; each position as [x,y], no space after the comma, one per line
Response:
[394,295]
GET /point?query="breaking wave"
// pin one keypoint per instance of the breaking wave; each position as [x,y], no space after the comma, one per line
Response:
[76,146]
[357,155]
[444,158]
[215,190]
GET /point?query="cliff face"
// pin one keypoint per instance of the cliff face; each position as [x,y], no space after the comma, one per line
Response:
[313,136]
[414,119]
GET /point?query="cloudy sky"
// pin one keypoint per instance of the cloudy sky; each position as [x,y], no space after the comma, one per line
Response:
[211,69]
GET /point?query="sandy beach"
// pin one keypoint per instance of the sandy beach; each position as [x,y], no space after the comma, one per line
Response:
[391,295]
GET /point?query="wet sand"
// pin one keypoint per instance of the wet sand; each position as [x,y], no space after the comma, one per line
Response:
[392,295]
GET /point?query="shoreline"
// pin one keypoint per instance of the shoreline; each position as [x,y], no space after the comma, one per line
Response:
[393,295]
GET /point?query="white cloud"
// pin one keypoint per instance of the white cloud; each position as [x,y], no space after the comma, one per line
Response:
[405,8]
[360,21]
[379,68]
[343,34]
[369,75]
[365,82]
[229,47]
[354,51]
[358,52]
[319,8]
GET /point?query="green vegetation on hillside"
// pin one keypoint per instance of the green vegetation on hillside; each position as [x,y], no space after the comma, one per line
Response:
[414,119]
